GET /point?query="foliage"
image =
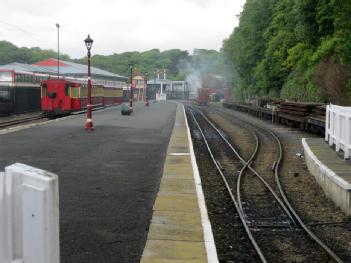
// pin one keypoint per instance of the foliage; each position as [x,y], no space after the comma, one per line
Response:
[299,87]
[178,63]
[279,45]
[10,53]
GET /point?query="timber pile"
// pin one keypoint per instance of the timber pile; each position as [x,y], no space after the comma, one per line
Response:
[300,109]
[319,112]
[266,102]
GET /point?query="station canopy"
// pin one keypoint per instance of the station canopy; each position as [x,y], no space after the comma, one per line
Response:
[67,68]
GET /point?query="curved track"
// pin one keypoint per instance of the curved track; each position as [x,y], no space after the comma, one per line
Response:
[265,213]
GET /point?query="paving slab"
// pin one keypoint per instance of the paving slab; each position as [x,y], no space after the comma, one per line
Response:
[174,251]
[177,232]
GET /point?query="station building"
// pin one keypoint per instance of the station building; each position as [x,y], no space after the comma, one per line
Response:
[20,82]
[51,67]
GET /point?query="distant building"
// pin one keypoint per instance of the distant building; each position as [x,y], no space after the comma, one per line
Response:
[217,85]
[139,87]
[69,69]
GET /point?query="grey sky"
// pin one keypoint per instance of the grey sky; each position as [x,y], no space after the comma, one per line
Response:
[118,26]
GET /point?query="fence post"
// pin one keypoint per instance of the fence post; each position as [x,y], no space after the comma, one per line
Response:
[5,223]
[29,215]
[332,125]
[327,123]
[348,138]
[338,132]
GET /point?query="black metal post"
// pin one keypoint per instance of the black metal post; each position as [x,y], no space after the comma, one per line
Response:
[89,124]
[131,88]
[58,50]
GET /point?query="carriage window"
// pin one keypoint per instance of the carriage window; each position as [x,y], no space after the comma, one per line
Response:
[5,76]
[67,89]
[75,92]
[44,90]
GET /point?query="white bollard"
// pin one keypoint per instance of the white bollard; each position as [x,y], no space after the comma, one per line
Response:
[29,215]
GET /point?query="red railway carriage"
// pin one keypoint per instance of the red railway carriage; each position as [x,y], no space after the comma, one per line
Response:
[63,96]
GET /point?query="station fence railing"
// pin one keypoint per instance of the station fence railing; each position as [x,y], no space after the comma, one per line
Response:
[338,128]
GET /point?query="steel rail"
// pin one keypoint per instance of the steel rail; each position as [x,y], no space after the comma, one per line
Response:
[9,123]
[281,203]
[19,121]
[240,213]
[299,220]
[286,201]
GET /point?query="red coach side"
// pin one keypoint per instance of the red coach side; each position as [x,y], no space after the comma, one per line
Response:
[62,96]
[56,97]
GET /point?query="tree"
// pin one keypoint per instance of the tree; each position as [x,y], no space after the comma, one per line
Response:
[281,46]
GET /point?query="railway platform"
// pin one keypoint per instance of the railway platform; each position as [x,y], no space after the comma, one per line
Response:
[108,178]
[331,171]
[180,230]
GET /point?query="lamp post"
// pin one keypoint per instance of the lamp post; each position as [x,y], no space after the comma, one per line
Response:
[131,88]
[155,89]
[146,95]
[58,50]
[89,124]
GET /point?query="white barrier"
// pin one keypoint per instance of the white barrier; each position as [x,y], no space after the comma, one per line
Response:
[338,128]
[29,215]
[161,96]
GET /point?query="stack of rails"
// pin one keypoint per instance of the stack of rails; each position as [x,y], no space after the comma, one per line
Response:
[307,116]
[317,118]
[296,112]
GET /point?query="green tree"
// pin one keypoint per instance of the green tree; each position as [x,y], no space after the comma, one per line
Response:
[283,47]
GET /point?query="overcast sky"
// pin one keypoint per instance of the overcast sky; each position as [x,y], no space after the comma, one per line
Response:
[118,26]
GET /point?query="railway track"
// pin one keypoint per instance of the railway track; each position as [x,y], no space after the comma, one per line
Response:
[10,123]
[273,228]
[15,122]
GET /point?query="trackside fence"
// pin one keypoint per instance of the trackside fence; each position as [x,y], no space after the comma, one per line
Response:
[338,128]
[29,215]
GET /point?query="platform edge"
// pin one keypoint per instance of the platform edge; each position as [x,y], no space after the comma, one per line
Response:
[206,224]
[337,189]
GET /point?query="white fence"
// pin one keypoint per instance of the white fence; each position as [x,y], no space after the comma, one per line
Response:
[29,215]
[338,128]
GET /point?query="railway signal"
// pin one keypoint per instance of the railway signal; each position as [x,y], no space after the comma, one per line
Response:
[89,124]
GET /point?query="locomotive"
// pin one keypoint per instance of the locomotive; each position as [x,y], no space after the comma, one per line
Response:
[203,96]
[63,96]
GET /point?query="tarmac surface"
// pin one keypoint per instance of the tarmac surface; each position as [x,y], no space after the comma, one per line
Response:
[108,178]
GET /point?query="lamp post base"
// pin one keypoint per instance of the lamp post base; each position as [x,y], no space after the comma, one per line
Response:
[89,125]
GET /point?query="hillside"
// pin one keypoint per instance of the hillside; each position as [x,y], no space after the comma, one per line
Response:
[178,63]
[292,49]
